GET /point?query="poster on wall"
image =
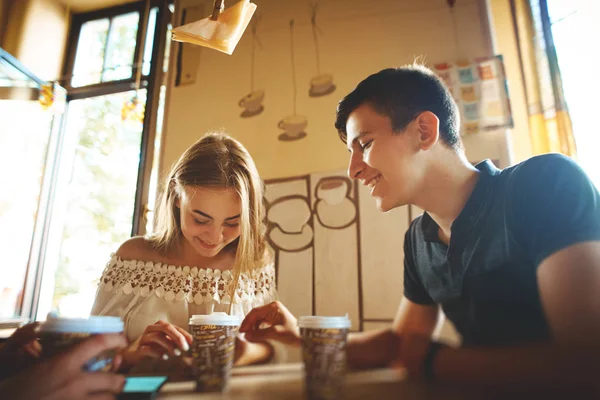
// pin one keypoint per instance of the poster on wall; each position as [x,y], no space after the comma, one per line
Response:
[480,90]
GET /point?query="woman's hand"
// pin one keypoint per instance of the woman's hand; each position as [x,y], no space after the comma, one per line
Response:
[164,338]
[159,340]
[272,321]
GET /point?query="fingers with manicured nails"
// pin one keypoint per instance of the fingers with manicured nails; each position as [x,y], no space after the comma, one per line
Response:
[188,336]
[151,350]
[170,330]
[160,339]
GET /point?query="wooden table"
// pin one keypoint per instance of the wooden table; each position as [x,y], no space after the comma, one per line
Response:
[286,381]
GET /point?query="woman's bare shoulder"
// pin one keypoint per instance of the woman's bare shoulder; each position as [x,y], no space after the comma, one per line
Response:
[138,248]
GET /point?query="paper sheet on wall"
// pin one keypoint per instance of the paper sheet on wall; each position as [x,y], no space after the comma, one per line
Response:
[480,90]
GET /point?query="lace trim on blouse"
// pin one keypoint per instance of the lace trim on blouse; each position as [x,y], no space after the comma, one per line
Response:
[194,285]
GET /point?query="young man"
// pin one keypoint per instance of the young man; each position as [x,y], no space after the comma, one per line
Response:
[512,256]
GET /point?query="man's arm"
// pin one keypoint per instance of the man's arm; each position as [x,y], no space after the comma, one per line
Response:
[378,348]
[569,286]
[554,212]
[249,353]
[419,316]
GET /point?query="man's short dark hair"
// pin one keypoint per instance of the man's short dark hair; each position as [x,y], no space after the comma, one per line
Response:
[402,94]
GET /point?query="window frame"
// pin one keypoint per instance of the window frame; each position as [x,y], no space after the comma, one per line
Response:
[110,87]
[150,82]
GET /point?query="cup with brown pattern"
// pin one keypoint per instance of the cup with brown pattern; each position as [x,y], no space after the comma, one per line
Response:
[324,355]
[59,334]
[213,350]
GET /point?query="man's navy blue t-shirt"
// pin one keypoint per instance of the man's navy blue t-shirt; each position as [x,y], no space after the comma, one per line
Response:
[486,279]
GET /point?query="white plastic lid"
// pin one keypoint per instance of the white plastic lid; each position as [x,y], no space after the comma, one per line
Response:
[94,324]
[216,318]
[318,322]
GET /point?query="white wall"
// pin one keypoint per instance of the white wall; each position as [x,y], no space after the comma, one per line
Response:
[359,38]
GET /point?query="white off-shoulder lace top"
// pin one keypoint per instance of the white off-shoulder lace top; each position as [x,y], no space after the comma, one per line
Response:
[143,292]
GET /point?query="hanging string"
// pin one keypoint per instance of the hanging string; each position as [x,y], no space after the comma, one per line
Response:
[454,28]
[293,63]
[255,41]
[313,21]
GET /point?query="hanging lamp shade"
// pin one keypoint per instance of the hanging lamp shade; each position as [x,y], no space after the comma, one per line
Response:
[221,31]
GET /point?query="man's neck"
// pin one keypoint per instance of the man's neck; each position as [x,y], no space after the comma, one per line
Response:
[447,186]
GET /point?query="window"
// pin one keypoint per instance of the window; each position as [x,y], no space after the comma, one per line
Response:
[573,24]
[113,75]
[26,138]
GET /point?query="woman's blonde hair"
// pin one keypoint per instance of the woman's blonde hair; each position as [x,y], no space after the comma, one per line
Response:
[216,160]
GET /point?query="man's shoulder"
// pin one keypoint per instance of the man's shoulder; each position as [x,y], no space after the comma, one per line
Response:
[415,236]
[542,166]
[415,228]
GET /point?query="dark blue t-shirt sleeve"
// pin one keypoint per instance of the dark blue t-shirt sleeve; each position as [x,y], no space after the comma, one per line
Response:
[414,290]
[555,205]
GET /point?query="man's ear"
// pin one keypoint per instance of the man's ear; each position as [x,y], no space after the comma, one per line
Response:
[428,126]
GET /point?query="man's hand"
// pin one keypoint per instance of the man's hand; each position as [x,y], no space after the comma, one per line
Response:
[272,321]
[63,377]
[412,349]
[20,350]
[248,353]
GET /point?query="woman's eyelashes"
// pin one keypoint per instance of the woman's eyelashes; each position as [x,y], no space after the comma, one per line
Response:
[226,224]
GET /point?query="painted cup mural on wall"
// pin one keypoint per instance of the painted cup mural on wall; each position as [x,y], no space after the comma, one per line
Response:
[328,260]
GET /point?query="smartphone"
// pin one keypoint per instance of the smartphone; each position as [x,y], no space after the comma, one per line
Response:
[142,387]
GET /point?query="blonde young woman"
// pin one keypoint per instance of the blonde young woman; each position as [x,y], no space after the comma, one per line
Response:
[208,240]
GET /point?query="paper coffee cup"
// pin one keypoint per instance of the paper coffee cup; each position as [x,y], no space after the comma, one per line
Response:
[324,354]
[213,350]
[59,334]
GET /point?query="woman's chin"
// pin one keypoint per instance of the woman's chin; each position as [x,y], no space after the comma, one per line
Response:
[208,252]
[205,250]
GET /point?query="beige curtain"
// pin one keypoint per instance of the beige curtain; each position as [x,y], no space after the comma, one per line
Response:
[550,126]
